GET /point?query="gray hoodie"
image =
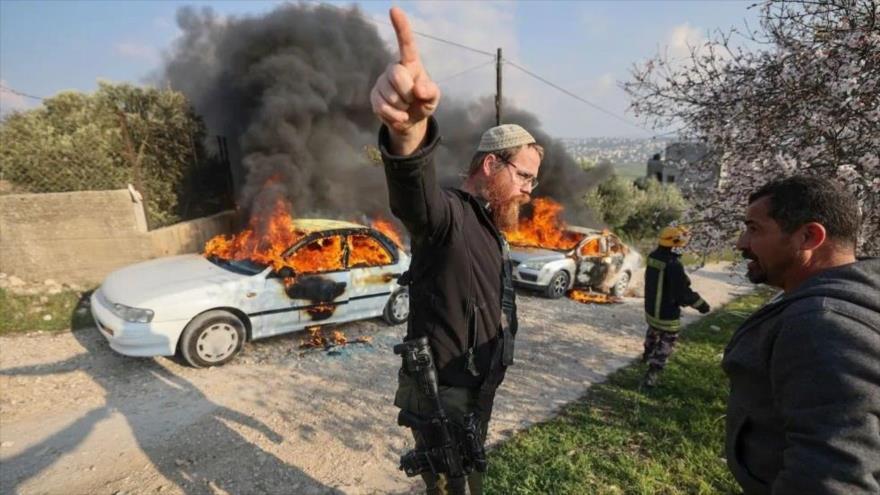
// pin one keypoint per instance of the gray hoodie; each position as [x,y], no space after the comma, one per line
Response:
[803,415]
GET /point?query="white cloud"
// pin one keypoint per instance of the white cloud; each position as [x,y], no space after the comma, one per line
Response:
[682,39]
[10,101]
[136,51]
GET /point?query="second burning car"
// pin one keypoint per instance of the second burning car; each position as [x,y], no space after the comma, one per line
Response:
[205,307]
[593,259]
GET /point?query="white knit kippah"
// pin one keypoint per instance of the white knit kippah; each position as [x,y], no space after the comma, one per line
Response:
[503,137]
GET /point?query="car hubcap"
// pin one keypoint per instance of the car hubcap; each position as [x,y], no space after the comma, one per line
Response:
[621,284]
[559,285]
[217,342]
[400,307]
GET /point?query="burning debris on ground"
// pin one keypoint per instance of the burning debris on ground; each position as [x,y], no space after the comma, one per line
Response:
[590,297]
[318,340]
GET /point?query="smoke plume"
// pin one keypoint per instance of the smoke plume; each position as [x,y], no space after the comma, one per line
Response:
[290,91]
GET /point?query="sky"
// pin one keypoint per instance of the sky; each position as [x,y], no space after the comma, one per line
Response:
[587,48]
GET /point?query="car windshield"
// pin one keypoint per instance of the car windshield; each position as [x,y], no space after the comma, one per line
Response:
[244,267]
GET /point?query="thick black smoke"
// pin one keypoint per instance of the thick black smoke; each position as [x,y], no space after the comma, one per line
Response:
[290,91]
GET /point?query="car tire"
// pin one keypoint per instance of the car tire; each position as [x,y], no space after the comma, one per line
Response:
[397,309]
[212,338]
[620,286]
[558,285]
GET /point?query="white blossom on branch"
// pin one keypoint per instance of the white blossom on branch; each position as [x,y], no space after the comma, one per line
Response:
[806,100]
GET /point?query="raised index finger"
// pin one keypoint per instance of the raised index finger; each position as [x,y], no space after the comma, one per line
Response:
[409,54]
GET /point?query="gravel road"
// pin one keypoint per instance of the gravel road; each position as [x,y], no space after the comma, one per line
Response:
[77,418]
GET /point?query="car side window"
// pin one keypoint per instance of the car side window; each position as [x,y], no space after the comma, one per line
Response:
[591,248]
[321,255]
[365,250]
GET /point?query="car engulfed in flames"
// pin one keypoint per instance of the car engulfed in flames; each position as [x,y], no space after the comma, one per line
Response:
[590,265]
[277,276]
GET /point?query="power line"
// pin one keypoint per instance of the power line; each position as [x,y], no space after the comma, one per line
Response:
[453,76]
[579,98]
[536,76]
[19,93]
[437,38]
[453,43]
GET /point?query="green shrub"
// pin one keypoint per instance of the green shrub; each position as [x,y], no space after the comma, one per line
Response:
[636,211]
[119,135]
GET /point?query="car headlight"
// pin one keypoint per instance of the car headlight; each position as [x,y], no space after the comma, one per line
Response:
[533,265]
[134,315]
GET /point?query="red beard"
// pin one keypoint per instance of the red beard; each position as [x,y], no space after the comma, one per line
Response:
[505,210]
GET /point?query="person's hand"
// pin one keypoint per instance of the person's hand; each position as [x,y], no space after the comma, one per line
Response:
[704,307]
[404,96]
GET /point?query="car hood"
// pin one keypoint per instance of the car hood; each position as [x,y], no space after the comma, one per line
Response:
[164,277]
[523,254]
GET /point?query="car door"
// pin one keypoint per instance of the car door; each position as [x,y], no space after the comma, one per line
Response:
[320,289]
[616,253]
[267,305]
[589,260]
[258,292]
[373,267]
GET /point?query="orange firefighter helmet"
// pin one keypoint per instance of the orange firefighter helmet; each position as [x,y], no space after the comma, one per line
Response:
[674,236]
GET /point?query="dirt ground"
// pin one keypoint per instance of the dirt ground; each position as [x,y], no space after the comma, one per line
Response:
[77,418]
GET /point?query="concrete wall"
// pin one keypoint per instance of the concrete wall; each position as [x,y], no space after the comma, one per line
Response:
[191,236]
[82,236]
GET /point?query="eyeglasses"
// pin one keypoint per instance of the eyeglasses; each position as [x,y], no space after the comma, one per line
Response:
[523,177]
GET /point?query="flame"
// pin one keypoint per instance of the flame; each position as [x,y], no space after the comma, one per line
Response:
[386,227]
[265,241]
[544,229]
[276,235]
[587,297]
[339,338]
[317,339]
[321,311]
[591,248]
[366,251]
[321,255]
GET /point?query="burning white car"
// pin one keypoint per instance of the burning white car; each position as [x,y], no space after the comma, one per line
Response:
[205,307]
[590,258]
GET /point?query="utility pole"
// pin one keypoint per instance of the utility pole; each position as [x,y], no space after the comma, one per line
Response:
[498,88]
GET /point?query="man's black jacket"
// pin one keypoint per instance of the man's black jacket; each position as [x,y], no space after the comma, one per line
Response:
[667,289]
[456,268]
[804,409]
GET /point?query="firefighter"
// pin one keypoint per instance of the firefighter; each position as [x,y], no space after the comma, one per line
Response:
[667,289]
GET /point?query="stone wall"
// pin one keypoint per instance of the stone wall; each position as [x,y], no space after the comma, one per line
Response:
[80,237]
[191,236]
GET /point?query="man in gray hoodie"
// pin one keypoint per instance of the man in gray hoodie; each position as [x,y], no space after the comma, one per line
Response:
[804,409]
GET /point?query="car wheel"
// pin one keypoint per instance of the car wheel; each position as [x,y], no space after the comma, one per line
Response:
[558,285]
[397,308]
[211,339]
[619,287]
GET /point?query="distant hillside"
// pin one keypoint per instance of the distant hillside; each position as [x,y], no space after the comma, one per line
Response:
[628,155]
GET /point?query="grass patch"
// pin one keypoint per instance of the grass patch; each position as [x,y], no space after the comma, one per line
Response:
[694,259]
[26,313]
[688,258]
[618,439]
